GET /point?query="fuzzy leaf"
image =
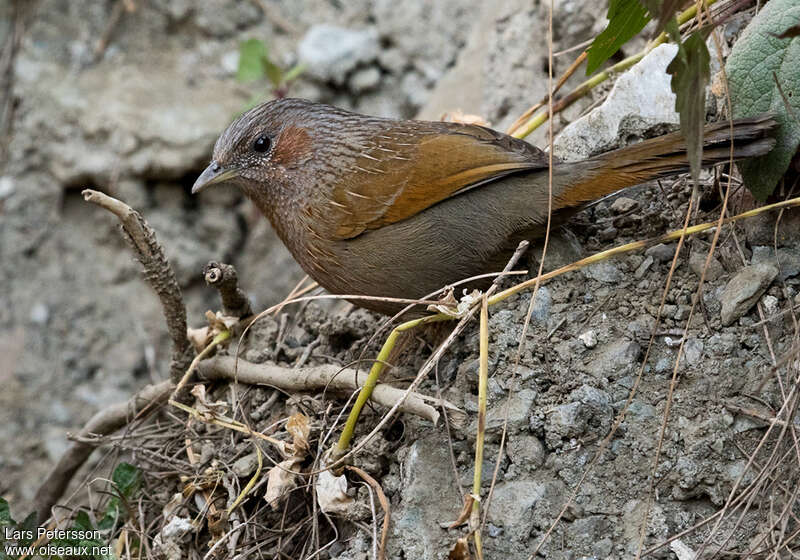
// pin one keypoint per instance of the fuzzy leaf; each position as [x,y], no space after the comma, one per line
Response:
[793,31]
[252,54]
[690,76]
[625,19]
[757,59]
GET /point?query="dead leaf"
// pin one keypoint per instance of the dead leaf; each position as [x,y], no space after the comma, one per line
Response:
[458,116]
[449,306]
[463,517]
[332,493]
[220,322]
[200,338]
[460,550]
[299,426]
[207,410]
[281,481]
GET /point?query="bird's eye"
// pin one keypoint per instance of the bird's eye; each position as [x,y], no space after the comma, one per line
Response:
[262,144]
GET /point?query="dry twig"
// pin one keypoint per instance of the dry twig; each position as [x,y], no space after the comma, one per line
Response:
[105,422]
[158,273]
[317,377]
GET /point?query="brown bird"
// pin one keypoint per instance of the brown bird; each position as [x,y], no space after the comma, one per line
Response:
[401,208]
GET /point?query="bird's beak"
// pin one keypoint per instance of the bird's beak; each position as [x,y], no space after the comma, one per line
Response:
[213,174]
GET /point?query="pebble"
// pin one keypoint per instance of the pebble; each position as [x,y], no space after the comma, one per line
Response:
[39,314]
[770,304]
[245,466]
[642,268]
[623,205]
[697,261]
[589,339]
[604,271]
[7,187]
[661,252]
[365,79]
[692,351]
[744,290]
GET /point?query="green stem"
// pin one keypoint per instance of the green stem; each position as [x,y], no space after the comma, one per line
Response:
[539,119]
[372,379]
[483,383]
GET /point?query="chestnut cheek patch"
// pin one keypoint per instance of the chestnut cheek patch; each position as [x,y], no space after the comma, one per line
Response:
[293,147]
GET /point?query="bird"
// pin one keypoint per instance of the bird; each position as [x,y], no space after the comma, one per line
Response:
[392,208]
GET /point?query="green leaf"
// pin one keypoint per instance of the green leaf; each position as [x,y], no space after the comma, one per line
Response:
[663,11]
[625,19]
[757,58]
[273,72]
[252,54]
[28,524]
[82,522]
[793,31]
[690,76]
[5,515]
[294,72]
[127,479]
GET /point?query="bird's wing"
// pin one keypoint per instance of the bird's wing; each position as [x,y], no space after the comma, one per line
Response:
[403,169]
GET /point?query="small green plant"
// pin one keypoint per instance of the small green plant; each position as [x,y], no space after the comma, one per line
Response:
[764,76]
[255,64]
[83,536]
[762,68]
[21,533]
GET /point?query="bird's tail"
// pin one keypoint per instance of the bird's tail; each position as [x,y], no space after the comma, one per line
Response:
[663,156]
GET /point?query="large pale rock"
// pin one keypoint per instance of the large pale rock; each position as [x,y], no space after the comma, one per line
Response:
[640,101]
[331,52]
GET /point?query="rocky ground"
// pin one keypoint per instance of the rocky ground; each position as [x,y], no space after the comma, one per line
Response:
[79,329]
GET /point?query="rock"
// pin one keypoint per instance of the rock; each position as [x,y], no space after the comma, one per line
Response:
[697,261]
[661,252]
[770,304]
[623,205]
[692,350]
[604,271]
[565,421]
[744,289]
[663,365]
[589,338]
[519,409]
[331,52]
[427,497]
[572,419]
[512,505]
[245,466]
[40,314]
[642,268]
[617,357]
[542,305]
[788,260]
[365,79]
[526,450]
[640,101]
[7,187]
[760,229]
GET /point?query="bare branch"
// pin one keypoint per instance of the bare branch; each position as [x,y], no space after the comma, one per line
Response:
[317,377]
[157,272]
[223,277]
